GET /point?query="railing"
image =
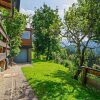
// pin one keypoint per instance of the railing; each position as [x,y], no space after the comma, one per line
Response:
[4,47]
[26,43]
[96,66]
[94,80]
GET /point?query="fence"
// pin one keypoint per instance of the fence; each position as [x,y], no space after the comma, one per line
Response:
[4,47]
[94,80]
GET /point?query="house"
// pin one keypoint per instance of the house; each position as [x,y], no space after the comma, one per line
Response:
[4,47]
[17,5]
[26,47]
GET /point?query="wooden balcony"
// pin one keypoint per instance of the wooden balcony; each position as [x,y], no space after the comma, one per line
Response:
[26,43]
[27,40]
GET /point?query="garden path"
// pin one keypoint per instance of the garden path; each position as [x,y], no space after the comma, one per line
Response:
[13,85]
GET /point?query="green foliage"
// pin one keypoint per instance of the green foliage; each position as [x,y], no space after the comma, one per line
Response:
[91,8]
[82,21]
[76,29]
[60,56]
[5,12]
[52,81]
[15,26]
[91,58]
[64,58]
[56,57]
[46,24]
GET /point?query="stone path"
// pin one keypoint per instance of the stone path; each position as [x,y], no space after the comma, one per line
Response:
[13,85]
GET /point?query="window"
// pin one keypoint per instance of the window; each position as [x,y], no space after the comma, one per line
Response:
[26,35]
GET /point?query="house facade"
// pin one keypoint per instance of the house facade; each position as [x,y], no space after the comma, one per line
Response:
[26,47]
[4,47]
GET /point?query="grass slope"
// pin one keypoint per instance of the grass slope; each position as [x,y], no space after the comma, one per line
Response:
[52,81]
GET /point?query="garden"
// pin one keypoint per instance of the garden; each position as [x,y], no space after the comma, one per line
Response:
[65,51]
[51,81]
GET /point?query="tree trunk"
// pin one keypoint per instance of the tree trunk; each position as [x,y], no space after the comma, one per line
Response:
[37,55]
[48,49]
[78,53]
[48,52]
[79,56]
[77,74]
[81,63]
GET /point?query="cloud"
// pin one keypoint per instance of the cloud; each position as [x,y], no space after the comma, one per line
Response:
[61,6]
[61,10]
[65,7]
[27,12]
[71,1]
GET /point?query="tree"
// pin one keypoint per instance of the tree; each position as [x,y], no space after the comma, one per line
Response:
[92,8]
[81,24]
[46,24]
[14,27]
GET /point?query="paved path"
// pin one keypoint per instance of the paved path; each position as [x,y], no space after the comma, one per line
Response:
[13,85]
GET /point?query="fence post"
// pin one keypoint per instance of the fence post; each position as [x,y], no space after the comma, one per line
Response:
[84,74]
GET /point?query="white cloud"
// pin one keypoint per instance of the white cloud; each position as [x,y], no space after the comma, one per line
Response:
[61,13]
[65,7]
[27,12]
[71,1]
[30,13]
[61,10]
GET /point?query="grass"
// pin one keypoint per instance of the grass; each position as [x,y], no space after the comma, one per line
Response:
[52,81]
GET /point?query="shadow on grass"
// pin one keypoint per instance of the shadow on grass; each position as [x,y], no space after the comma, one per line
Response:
[40,60]
[37,60]
[67,89]
[82,92]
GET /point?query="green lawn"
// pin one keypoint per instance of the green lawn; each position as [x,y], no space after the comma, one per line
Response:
[52,81]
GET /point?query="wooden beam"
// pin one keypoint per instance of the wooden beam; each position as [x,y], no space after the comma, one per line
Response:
[3,32]
[92,71]
[3,44]
[93,83]
[2,56]
[96,66]
[8,52]
[6,4]
[9,1]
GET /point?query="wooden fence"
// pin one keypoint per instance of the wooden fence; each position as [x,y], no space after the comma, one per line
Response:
[4,47]
[93,80]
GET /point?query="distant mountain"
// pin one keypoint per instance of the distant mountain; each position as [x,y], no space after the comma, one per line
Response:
[93,45]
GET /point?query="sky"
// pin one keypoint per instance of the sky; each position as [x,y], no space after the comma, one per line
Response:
[28,6]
